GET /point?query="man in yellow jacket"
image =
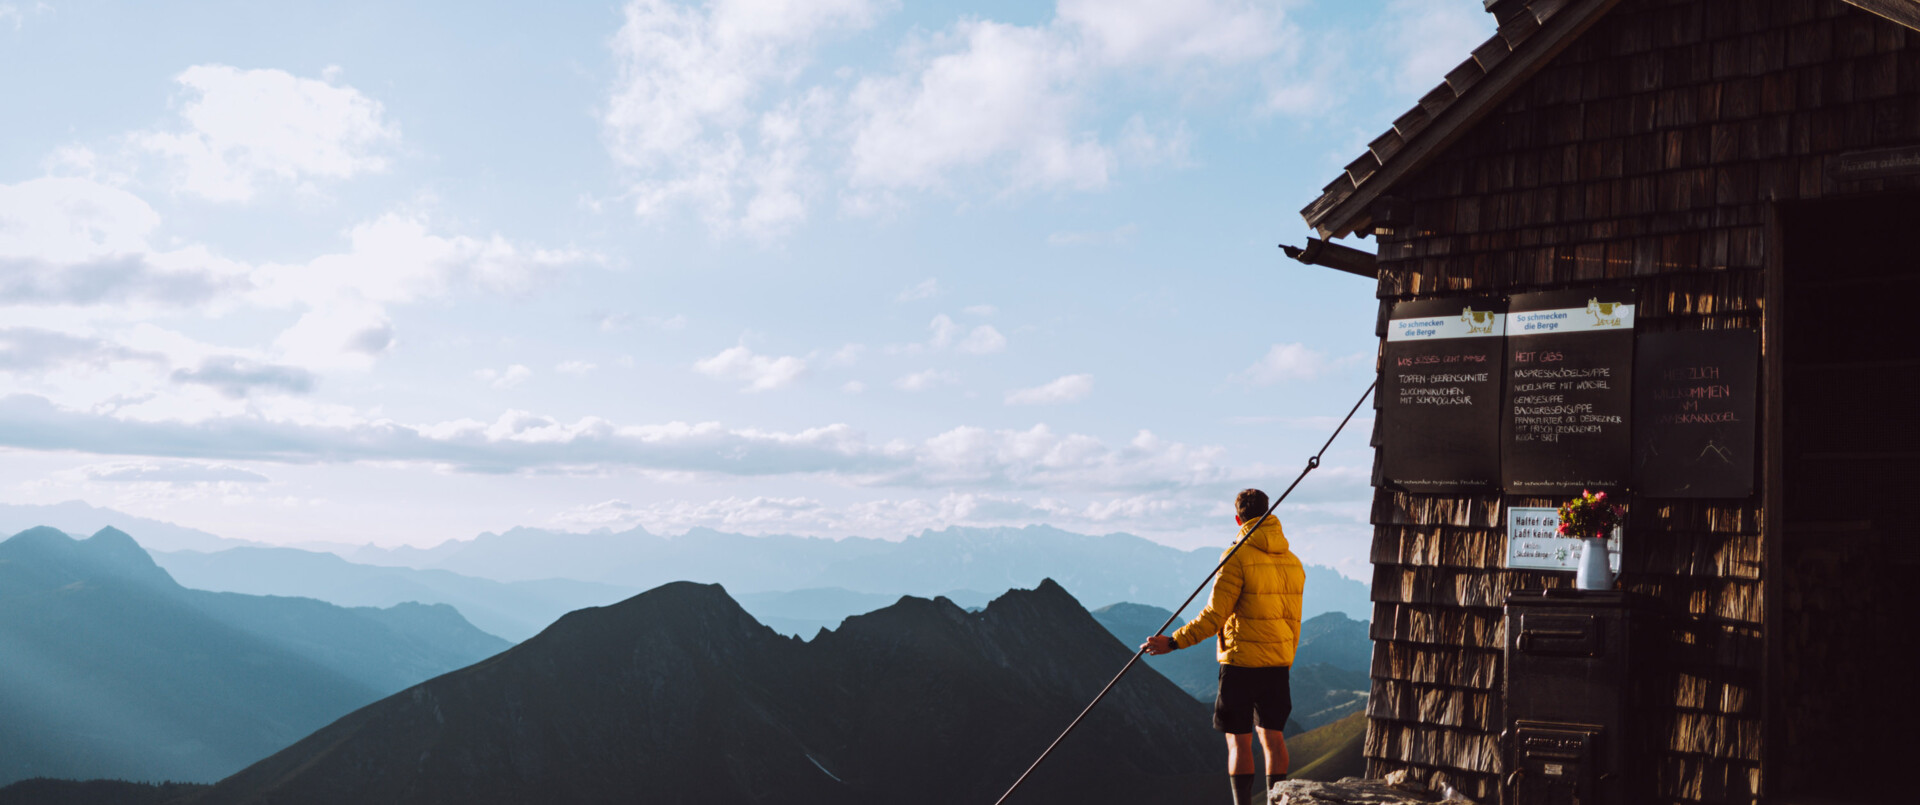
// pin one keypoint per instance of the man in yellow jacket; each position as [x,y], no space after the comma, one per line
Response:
[1255,609]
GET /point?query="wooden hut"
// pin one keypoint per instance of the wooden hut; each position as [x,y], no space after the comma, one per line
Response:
[1735,164]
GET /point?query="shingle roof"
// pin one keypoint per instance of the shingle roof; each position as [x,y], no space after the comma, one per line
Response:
[1531,33]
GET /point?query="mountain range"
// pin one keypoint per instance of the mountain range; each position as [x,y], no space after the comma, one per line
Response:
[514,583]
[77,517]
[1100,570]
[678,695]
[513,610]
[111,669]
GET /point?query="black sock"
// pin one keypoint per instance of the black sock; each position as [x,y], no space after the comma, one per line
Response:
[1243,789]
[1274,778]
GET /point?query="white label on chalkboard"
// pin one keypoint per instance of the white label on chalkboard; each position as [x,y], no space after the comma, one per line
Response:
[1468,323]
[1534,542]
[1597,315]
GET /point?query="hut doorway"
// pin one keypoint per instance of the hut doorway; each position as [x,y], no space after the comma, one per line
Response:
[1842,698]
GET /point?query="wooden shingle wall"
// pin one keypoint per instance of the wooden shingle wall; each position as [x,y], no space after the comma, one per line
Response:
[1647,154]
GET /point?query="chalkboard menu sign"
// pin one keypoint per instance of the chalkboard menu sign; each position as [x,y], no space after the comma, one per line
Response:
[1693,413]
[1440,395]
[1569,392]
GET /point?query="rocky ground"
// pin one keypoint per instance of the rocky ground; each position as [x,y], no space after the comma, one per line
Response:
[1351,791]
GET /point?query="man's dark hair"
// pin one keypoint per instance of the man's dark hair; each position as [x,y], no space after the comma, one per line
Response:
[1250,504]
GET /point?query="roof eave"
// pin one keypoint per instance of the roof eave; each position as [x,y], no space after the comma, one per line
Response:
[1905,12]
[1471,92]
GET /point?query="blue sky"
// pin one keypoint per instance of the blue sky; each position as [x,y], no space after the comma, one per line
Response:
[405,272]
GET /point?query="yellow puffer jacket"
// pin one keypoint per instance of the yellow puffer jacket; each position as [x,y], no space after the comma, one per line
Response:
[1255,607]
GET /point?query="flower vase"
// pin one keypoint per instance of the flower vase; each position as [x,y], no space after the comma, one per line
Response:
[1593,572]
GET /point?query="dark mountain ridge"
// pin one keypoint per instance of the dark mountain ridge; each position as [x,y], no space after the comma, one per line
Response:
[678,695]
[1101,569]
[113,670]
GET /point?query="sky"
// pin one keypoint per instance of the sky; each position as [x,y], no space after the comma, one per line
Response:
[403,272]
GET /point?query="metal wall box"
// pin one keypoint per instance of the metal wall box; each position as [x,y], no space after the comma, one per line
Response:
[1577,669]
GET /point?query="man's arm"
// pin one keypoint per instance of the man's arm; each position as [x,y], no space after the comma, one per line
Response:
[1226,593]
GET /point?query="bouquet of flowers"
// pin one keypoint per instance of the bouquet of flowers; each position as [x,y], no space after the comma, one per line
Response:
[1589,515]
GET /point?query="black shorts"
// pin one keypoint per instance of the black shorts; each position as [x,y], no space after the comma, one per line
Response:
[1252,697]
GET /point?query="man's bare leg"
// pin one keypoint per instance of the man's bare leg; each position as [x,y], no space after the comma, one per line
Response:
[1240,753]
[1240,769]
[1274,745]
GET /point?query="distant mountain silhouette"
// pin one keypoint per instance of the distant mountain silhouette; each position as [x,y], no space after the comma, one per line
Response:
[513,610]
[678,695]
[1329,680]
[1337,640]
[77,517]
[110,669]
[1098,569]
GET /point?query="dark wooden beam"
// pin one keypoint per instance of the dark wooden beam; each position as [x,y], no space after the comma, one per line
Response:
[1773,531]
[1905,12]
[1318,252]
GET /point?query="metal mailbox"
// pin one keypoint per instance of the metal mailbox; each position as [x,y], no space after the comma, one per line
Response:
[1577,669]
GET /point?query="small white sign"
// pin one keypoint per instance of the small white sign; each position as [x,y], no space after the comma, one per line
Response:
[1534,542]
[1597,315]
[1468,323]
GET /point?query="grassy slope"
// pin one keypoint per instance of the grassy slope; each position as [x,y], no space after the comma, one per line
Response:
[1330,752]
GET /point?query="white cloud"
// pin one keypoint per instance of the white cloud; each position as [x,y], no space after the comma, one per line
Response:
[239,377]
[1287,362]
[980,340]
[980,310]
[944,331]
[398,258]
[922,381]
[32,349]
[684,116]
[72,241]
[926,289]
[983,340]
[719,108]
[1070,388]
[1142,143]
[853,387]
[885,517]
[242,128]
[1216,32]
[504,379]
[517,441]
[996,97]
[581,368]
[169,472]
[761,372]
[344,335]
[847,355]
